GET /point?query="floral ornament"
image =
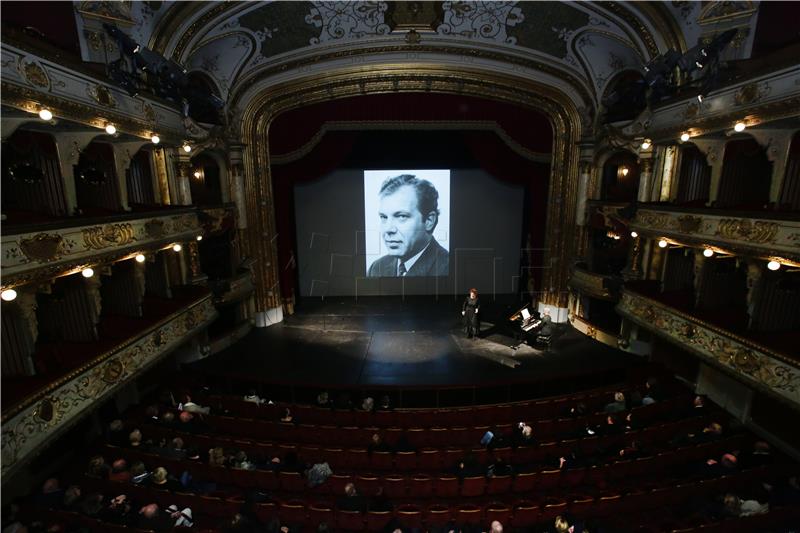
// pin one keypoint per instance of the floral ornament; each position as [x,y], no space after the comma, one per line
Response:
[484,20]
[347,20]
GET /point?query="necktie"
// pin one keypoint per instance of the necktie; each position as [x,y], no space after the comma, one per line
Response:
[401,269]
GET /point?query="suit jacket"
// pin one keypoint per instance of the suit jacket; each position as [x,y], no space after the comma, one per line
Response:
[434,261]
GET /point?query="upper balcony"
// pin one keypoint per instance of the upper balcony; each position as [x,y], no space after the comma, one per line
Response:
[603,287]
[768,234]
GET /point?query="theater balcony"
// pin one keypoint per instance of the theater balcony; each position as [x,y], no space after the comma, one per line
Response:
[723,335]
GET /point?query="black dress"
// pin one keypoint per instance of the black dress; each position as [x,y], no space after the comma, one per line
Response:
[470,310]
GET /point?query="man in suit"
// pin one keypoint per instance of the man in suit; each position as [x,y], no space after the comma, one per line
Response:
[409,213]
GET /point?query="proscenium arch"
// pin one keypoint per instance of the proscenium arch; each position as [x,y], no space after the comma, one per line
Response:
[258,114]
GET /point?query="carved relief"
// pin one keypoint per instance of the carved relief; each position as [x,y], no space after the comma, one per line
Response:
[99,237]
[689,224]
[34,73]
[758,232]
[154,228]
[751,94]
[101,95]
[42,247]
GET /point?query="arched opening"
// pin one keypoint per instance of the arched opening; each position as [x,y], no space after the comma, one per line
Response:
[789,197]
[694,179]
[204,180]
[96,184]
[620,178]
[139,181]
[746,176]
[33,188]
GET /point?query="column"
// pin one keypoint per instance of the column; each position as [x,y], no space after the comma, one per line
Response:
[645,177]
[699,266]
[633,270]
[715,154]
[777,143]
[584,179]
[755,270]
[123,154]
[70,145]
[183,191]
[196,276]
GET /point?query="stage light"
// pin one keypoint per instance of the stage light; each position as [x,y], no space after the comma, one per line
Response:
[685,137]
[634,234]
[155,139]
[140,258]
[773,265]
[197,174]
[646,144]
[45,114]
[187,148]
[111,129]
[87,272]
[708,252]
[662,243]
[739,126]
[8,295]
[199,237]
[177,247]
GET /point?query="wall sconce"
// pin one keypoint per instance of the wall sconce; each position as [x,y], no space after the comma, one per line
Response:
[45,114]
[197,174]
[8,295]
[662,243]
[708,252]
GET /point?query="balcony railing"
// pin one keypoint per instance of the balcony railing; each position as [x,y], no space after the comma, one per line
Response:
[50,411]
[769,234]
[767,369]
[595,285]
[57,249]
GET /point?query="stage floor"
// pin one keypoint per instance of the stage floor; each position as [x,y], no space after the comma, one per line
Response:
[415,341]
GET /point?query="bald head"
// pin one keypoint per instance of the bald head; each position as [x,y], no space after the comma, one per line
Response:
[497,527]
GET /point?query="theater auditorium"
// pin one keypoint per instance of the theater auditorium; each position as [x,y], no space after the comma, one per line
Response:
[400,266]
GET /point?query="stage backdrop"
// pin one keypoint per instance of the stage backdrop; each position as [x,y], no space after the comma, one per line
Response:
[480,229]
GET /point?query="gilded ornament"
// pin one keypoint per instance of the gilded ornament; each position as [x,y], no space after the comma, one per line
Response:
[689,224]
[154,228]
[113,370]
[102,96]
[99,237]
[34,73]
[748,94]
[591,332]
[42,247]
[758,232]
[691,111]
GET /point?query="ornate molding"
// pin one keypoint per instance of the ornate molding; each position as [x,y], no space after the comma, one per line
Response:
[772,371]
[36,256]
[33,423]
[591,284]
[760,236]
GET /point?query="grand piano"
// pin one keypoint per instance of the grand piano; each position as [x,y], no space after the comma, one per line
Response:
[528,326]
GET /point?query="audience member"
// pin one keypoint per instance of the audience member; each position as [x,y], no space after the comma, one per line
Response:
[119,512]
[385,403]
[182,517]
[190,406]
[377,444]
[216,457]
[496,527]
[119,471]
[241,462]
[72,497]
[162,480]
[287,415]
[116,434]
[51,495]
[139,473]
[323,400]
[368,404]
[98,467]
[351,501]
[167,420]
[618,405]
[135,438]
[738,507]
[93,505]
[318,474]
[252,397]
[151,517]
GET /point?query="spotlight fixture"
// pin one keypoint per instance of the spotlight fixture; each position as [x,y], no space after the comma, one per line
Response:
[111,129]
[773,265]
[187,148]
[140,258]
[45,114]
[662,243]
[685,137]
[708,252]
[87,272]
[199,237]
[739,126]
[634,234]
[197,174]
[155,139]
[646,144]
[8,295]
[177,247]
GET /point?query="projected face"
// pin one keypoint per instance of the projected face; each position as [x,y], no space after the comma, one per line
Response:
[404,229]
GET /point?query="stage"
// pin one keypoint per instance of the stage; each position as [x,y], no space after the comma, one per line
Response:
[411,341]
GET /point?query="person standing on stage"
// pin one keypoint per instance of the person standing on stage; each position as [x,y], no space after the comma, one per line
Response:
[470,313]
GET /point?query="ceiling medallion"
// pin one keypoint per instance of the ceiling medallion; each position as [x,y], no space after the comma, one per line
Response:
[34,73]
[102,96]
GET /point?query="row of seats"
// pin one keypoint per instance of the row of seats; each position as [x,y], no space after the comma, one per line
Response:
[507,413]
[634,505]
[435,459]
[446,486]
[418,437]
